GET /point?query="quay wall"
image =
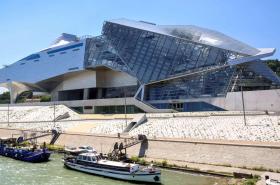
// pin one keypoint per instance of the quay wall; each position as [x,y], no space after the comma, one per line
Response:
[228,153]
[235,154]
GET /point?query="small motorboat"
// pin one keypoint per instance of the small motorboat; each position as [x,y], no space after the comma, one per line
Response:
[93,163]
[27,154]
[269,181]
[79,150]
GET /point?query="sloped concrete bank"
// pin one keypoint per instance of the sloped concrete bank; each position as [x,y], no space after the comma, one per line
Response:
[254,155]
[225,153]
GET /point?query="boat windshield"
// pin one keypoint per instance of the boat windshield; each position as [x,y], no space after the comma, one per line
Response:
[98,157]
[88,158]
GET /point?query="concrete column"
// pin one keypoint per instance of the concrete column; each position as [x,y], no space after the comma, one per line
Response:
[13,92]
[86,91]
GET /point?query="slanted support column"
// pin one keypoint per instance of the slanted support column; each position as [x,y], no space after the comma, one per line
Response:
[140,90]
[143,93]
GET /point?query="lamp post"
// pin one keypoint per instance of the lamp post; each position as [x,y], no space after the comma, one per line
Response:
[242,97]
[8,106]
[125,109]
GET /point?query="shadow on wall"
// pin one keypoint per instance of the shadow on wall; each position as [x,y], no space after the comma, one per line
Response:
[143,148]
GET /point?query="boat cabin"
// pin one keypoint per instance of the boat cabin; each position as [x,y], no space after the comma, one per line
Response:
[89,157]
[93,159]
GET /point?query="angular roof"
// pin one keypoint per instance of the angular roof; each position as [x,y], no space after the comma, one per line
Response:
[193,33]
[64,38]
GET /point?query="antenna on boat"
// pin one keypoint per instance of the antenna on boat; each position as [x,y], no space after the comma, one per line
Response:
[54,114]
[8,117]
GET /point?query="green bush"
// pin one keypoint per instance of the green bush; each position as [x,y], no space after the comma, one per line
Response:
[164,163]
[25,143]
[134,159]
[54,147]
[142,162]
[45,99]
[157,163]
[250,182]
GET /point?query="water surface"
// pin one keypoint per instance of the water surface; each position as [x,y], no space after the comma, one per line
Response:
[13,172]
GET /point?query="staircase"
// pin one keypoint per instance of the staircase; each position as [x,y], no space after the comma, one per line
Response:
[134,141]
[56,135]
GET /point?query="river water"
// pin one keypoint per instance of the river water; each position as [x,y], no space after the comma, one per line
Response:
[13,172]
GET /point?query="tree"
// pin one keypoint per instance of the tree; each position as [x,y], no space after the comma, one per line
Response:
[274,65]
[5,98]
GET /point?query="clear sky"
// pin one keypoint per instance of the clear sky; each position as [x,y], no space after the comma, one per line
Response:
[31,25]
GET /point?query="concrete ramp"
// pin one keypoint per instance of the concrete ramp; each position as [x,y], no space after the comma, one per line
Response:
[149,108]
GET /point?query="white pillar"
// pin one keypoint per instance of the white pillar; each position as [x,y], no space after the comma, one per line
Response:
[13,93]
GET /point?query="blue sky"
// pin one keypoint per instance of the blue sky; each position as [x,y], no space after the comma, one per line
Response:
[30,25]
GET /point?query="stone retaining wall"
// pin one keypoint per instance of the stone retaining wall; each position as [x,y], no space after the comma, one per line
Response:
[197,152]
[208,152]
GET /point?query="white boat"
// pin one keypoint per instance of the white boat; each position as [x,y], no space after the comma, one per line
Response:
[79,150]
[269,181]
[272,182]
[92,163]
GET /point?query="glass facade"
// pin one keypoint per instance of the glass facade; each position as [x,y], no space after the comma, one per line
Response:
[174,67]
[152,56]
[111,92]
[214,83]
[188,106]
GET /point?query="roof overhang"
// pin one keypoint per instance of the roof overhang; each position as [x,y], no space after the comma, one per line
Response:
[264,52]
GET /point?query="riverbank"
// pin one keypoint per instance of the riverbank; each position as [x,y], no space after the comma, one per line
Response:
[221,157]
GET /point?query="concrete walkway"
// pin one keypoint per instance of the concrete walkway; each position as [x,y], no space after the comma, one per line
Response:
[210,168]
[223,169]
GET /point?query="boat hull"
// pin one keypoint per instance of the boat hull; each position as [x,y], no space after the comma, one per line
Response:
[26,155]
[137,177]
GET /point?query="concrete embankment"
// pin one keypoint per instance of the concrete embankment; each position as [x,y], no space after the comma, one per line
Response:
[224,153]
[257,155]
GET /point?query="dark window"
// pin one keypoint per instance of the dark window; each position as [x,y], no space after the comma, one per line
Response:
[65,48]
[76,94]
[88,107]
[73,68]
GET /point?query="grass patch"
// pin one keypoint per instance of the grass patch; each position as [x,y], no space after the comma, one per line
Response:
[55,148]
[226,165]
[142,162]
[251,181]
[259,168]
